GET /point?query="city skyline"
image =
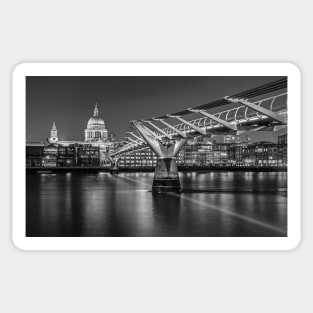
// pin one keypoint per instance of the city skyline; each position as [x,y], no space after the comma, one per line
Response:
[70,101]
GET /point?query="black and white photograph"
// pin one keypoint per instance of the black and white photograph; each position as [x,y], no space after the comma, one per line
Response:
[156,156]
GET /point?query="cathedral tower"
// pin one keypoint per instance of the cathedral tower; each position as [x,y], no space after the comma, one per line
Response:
[53,134]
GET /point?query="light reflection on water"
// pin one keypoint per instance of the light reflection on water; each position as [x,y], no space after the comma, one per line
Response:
[212,204]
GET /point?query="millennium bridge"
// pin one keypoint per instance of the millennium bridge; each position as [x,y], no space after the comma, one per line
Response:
[261,108]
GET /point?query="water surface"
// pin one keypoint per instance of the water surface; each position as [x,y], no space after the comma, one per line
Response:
[212,204]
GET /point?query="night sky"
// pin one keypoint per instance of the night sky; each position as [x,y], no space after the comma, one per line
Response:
[70,101]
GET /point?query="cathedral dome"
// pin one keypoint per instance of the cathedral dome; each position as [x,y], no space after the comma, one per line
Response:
[95,122]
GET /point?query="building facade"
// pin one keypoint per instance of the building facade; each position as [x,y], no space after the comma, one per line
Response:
[203,154]
[59,155]
[141,158]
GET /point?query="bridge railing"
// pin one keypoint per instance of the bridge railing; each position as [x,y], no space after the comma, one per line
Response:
[238,114]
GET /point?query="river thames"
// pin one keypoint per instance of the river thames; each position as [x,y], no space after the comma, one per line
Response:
[225,204]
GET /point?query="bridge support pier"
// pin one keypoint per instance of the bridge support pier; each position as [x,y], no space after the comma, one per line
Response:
[114,169]
[166,177]
[114,164]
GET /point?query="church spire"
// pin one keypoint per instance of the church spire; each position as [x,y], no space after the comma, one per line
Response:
[96,112]
[53,134]
[54,128]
